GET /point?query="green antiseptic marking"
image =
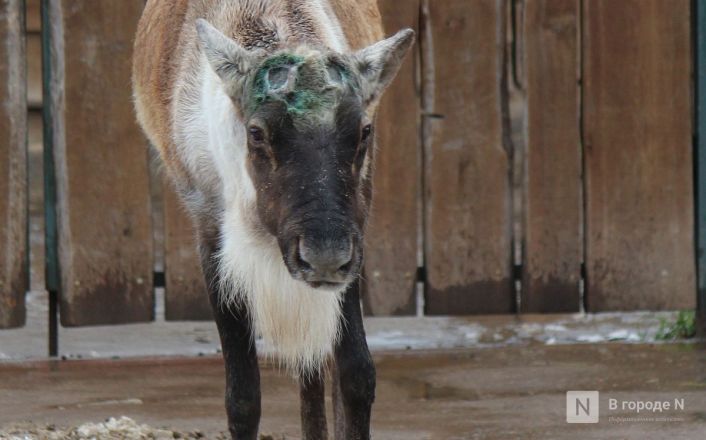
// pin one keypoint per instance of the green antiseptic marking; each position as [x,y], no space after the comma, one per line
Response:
[302,101]
[261,85]
[312,91]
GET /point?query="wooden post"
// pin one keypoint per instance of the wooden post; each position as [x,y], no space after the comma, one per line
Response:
[185,289]
[637,139]
[391,239]
[102,204]
[552,247]
[14,278]
[467,191]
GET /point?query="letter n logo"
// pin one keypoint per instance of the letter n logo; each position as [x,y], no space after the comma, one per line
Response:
[582,407]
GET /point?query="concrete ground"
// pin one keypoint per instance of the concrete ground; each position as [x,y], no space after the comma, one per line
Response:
[506,392]
[484,377]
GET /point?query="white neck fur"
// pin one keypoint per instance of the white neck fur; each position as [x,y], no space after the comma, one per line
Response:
[298,324]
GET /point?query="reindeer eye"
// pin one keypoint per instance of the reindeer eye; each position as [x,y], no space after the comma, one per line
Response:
[366,132]
[256,134]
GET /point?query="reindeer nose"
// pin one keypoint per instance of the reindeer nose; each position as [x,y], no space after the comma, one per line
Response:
[328,261]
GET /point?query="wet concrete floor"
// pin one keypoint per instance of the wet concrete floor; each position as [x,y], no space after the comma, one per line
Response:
[510,392]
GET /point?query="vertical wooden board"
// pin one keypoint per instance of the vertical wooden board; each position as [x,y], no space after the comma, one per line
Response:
[638,155]
[467,163]
[552,247]
[105,236]
[13,165]
[34,18]
[34,71]
[391,239]
[185,288]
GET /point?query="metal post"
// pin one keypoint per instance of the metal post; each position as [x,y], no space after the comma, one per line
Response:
[700,158]
[52,278]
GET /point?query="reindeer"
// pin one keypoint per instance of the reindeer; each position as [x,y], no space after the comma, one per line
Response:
[263,114]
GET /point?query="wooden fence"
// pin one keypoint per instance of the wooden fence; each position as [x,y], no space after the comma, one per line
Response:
[539,143]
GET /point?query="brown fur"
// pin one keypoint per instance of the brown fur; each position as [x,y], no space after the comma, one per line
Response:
[154,70]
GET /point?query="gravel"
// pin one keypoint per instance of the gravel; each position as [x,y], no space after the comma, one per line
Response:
[122,428]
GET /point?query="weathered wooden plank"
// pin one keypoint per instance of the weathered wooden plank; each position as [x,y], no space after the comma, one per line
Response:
[467,162]
[638,155]
[105,236]
[391,239]
[14,280]
[552,247]
[185,288]
[34,70]
[34,18]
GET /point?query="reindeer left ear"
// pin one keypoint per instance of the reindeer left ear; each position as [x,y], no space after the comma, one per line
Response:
[378,64]
[228,59]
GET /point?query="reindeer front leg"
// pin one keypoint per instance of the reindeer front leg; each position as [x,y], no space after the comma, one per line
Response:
[242,371]
[356,371]
[313,408]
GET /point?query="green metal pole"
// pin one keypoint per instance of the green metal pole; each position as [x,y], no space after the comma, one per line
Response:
[51,271]
[700,158]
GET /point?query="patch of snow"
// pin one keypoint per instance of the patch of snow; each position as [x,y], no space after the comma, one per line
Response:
[555,328]
[131,401]
[618,335]
[590,338]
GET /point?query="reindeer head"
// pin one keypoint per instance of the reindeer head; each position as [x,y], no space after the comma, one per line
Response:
[309,117]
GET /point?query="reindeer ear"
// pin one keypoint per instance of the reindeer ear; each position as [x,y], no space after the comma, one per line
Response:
[227,58]
[378,64]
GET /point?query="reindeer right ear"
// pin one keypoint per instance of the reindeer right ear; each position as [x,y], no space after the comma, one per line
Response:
[227,58]
[378,64]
